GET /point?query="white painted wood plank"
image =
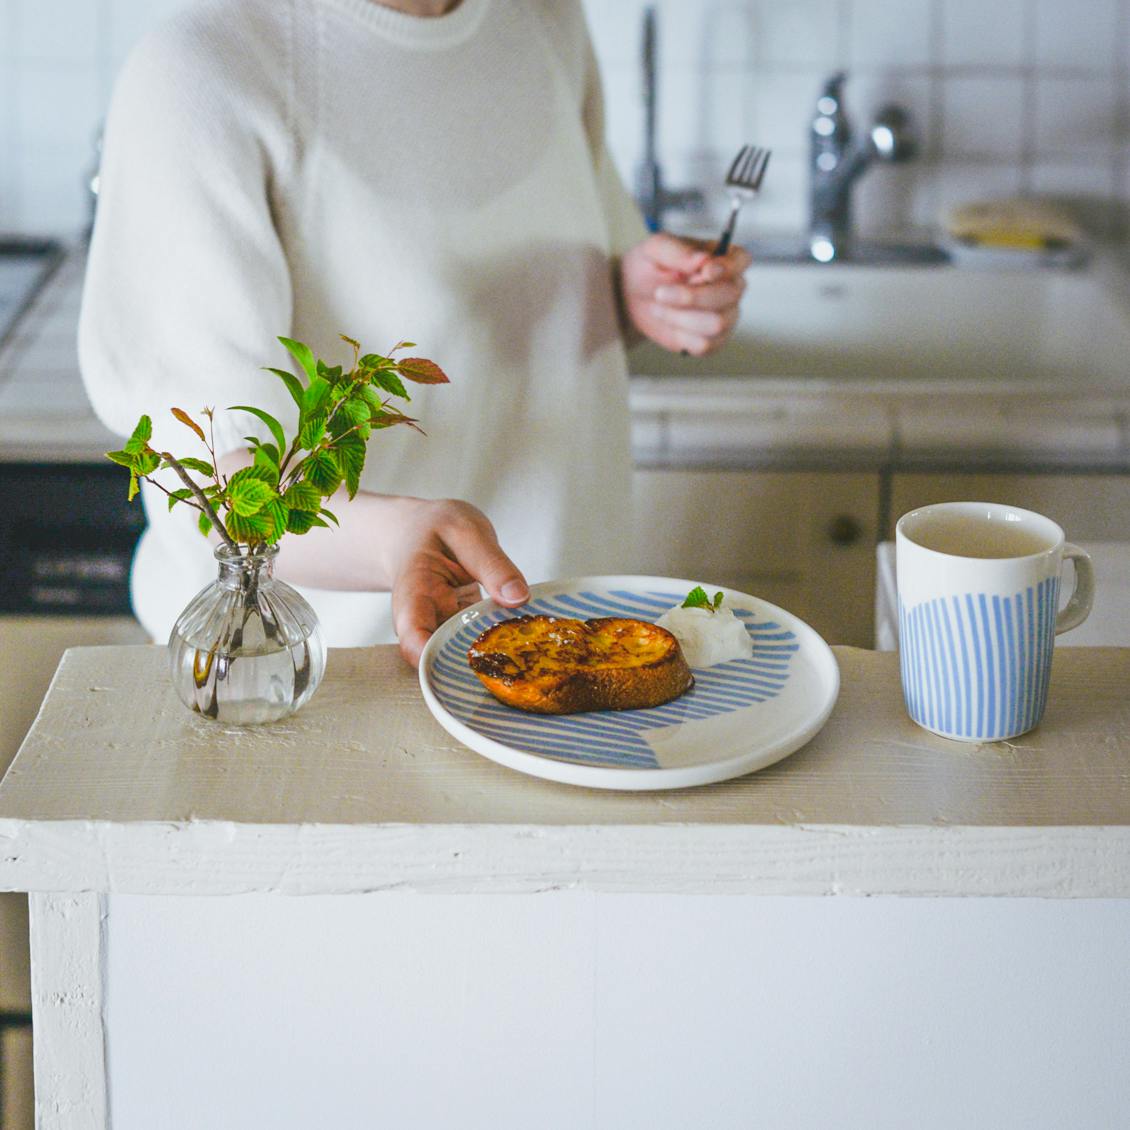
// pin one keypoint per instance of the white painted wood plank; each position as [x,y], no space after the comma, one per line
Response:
[67,994]
[566,1011]
[206,859]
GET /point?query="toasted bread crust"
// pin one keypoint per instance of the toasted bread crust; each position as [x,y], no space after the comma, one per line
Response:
[550,665]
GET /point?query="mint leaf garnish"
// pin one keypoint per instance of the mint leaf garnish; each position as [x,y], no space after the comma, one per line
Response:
[697,598]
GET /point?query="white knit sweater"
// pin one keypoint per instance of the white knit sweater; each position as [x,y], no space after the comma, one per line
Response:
[316,167]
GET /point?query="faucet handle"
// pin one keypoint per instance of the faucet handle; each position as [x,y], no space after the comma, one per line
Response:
[892,134]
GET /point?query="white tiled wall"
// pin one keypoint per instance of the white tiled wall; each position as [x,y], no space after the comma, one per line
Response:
[1007,95]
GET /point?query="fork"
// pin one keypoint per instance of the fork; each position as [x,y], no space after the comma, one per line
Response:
[743,182]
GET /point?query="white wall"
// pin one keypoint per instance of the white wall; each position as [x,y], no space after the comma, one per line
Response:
[1011,95]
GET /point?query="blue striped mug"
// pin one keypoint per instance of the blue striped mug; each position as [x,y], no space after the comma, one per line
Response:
[978,606]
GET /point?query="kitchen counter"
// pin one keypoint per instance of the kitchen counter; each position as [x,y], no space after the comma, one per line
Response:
[44,413]
[209,902]
[699,413]
[118,788]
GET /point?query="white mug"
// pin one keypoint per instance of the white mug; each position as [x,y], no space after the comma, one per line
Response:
[978,590]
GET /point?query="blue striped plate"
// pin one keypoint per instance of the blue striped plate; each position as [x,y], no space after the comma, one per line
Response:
[738,717]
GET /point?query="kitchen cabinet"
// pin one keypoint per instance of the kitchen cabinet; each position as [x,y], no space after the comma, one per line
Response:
[802,540]
[1089,507]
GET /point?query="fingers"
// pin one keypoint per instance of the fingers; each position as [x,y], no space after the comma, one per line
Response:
[472,541]
[670,253]
[455,550]
[706,324]
[415,616]
[702,296]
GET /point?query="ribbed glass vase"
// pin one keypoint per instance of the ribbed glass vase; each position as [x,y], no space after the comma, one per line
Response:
[248,648]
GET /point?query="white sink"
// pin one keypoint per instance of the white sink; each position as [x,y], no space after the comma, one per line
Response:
[889,326]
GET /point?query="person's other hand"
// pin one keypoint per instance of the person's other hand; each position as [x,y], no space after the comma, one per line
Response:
[677,294]
[445,550]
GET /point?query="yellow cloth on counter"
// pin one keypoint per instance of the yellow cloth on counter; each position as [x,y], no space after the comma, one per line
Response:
[1014,223]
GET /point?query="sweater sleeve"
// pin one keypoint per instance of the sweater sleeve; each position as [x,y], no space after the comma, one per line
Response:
[187,284]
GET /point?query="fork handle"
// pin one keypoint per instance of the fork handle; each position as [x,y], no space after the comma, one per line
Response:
[727,232]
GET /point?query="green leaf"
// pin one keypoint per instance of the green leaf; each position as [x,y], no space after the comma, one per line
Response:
[198,465]
[323,471]
[134,486]
[333,375]
[122,458]
[275,514]
[375,361]
[311,432]
[697,598]
[142,434]
[315,397]
[301,353]
[249,529]
[248,495]
[371,397]
[329,514]
[182,495]
[422,371]
[267,418]
[147,462]
[403,345]
[301,521]
[356,411]
[204,524]
[303,496]
[267,457]
[390,382]
[293,385]
[351,459]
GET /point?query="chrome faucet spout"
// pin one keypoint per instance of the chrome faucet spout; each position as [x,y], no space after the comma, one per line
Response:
[838,161]
[654,197]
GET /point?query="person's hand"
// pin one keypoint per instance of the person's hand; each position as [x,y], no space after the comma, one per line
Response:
[445,551]
[677,294]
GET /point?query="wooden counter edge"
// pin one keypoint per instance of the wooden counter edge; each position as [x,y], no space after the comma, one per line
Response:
[214,857]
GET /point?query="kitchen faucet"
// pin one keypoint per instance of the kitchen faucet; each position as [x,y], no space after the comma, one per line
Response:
[654,198]
[838,162]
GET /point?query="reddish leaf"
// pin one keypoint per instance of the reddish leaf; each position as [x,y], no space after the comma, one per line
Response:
[422,371]
[189,422]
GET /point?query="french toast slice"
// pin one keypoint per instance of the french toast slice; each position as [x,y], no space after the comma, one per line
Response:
[553,665]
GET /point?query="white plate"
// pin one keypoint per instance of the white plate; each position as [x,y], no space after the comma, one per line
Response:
[738,717]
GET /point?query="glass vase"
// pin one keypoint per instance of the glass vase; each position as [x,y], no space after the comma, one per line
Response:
[248,648]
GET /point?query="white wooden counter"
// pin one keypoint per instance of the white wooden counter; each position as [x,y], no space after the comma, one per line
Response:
[119,788]
[581,960]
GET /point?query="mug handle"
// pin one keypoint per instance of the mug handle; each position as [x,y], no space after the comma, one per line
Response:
[1076,610]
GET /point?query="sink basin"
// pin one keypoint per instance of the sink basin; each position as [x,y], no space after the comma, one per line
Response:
[909,327]
[797,250]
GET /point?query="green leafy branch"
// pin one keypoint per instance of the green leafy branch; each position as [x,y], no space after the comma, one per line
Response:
[283,489]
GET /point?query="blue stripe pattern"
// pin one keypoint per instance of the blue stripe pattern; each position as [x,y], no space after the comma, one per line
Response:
[609,738]
[977,666]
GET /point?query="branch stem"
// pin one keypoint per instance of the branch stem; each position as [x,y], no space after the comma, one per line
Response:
[199,495]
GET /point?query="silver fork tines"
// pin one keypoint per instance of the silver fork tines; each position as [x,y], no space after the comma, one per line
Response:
[742,181]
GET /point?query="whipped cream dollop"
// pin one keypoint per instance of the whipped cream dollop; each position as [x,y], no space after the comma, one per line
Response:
[708,636]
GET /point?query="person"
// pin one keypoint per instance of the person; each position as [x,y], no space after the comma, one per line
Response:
[405,168]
